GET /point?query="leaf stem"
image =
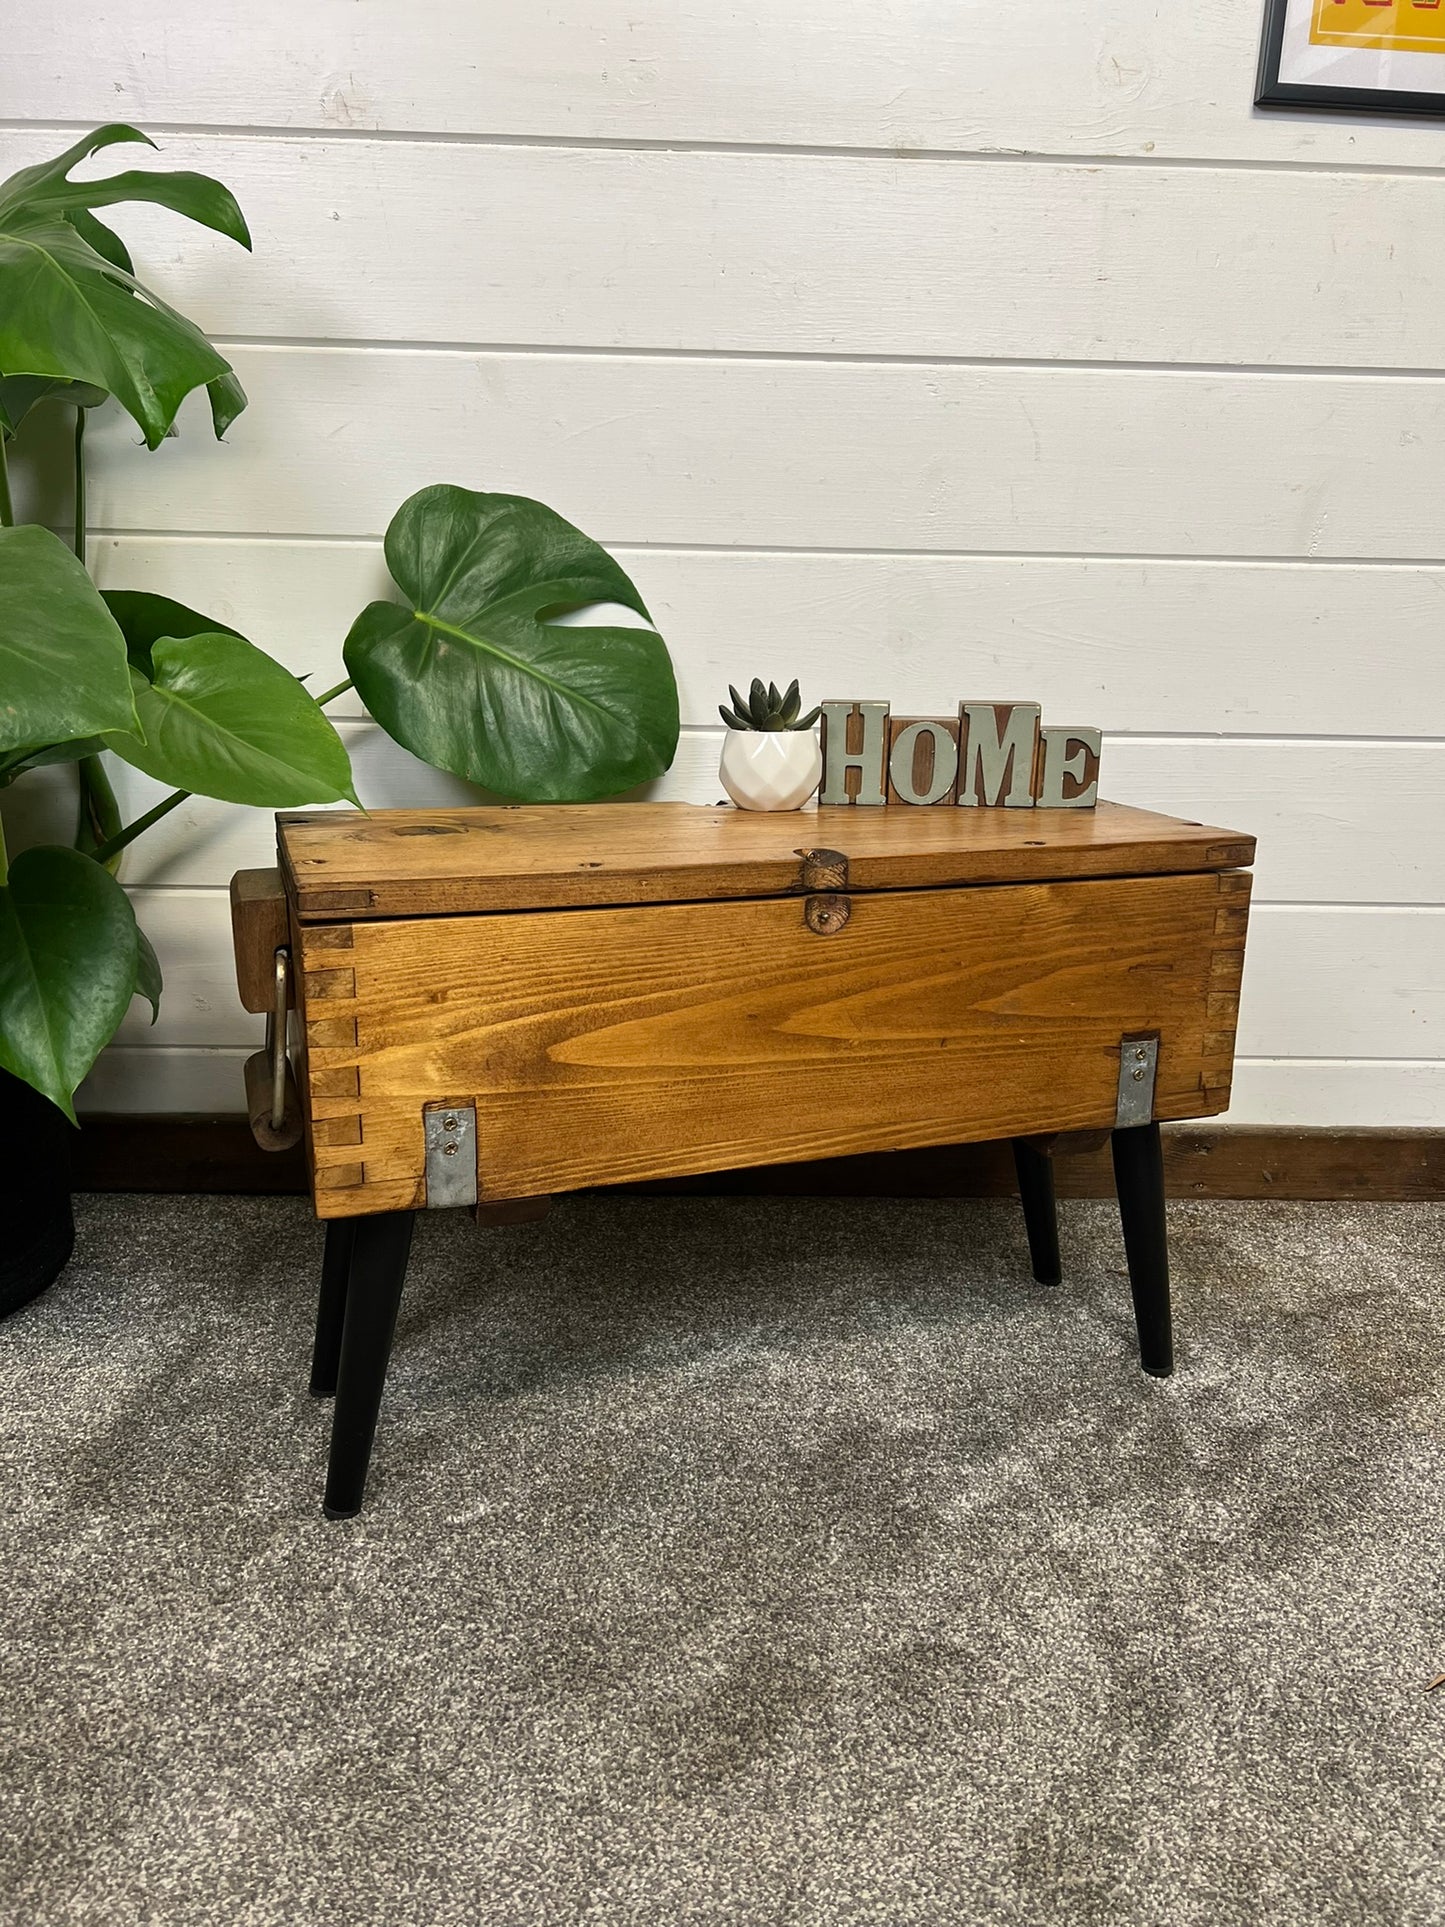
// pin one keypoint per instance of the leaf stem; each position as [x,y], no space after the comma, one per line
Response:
[340,690]
[79,543]
[99,810]
[7,507]
[115,844]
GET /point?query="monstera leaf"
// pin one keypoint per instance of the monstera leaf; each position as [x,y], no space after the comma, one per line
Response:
[144,619]
[219,717]
[19,394]
[62,657]
[472,677]
[71,309]
[148,981]
[68,959]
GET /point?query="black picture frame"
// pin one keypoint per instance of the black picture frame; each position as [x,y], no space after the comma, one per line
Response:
[1271,91]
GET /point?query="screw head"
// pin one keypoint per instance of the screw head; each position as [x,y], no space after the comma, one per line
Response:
[1138,1076]
[449,1124]
[449,1150]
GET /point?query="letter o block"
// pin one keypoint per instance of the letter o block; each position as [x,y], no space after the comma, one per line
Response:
[922,760]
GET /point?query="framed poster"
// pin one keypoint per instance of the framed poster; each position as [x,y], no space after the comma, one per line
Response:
[1367,56]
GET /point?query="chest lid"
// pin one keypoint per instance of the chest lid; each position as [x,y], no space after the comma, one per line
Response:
[412,863]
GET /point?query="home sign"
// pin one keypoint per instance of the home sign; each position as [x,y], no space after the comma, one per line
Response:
[992,755]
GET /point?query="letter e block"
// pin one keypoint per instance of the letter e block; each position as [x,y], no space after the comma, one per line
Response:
[1070,779]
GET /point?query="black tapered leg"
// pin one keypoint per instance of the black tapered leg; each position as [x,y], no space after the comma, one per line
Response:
[378,1268]
[331,1306]
[1036,1190]
[1139,1176]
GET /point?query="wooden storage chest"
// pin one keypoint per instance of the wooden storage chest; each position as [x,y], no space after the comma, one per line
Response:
[503,1003]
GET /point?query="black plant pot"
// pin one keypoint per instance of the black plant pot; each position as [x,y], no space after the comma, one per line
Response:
[38,1230]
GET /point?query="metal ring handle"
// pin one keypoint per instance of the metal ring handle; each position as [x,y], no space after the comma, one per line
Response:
[276,1036]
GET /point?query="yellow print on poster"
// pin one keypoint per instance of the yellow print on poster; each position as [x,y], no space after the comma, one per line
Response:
[1405,26]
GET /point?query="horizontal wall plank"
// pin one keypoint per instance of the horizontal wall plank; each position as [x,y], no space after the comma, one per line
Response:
[1300,1092]
[1283,1092]
[1336,822]
[1099,77]
[1319,982]
[803,254]
[1343,983]
[191,932]
[808,455]
[1118,642]
[169,1082]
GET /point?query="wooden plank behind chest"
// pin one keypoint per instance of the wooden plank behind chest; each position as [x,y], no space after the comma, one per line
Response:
[603,1045]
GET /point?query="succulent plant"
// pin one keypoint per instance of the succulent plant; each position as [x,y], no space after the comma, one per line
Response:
[766,710]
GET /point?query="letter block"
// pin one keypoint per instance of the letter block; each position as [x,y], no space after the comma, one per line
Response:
[1070,768]
[855,751]
[998,752]
[922,759]
[996,756]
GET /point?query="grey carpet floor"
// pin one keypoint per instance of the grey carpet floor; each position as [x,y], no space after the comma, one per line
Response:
[730,1561]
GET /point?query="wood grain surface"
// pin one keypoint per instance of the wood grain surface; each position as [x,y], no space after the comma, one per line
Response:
[259,925]
[615,1044]
[397,863]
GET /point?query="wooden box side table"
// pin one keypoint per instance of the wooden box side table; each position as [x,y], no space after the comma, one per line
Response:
[499,1004]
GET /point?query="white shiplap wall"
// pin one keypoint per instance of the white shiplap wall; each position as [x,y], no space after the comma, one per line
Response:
[917,347]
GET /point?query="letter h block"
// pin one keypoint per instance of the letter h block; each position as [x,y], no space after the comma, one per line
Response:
[855,752]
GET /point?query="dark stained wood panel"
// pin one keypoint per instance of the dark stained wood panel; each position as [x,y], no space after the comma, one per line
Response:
[217,1156]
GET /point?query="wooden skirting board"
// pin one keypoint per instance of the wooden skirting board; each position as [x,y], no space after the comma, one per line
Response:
[218,1155]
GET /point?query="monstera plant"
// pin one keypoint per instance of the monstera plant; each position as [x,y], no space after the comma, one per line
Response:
[494,663]
[175,693]
[474,673]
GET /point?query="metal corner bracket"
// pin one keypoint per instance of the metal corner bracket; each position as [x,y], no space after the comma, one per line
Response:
[450,1135]
[1138,1067]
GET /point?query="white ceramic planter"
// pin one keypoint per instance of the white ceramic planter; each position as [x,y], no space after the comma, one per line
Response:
[770,769]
